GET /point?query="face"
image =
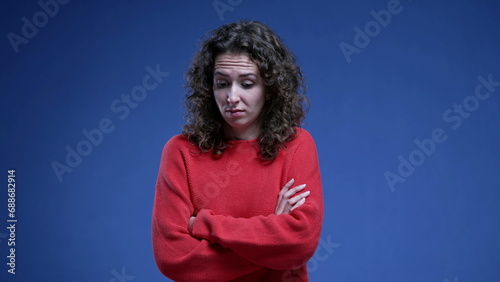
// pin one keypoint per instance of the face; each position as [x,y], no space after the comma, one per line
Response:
[239,93]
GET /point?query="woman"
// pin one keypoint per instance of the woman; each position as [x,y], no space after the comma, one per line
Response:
[231,201]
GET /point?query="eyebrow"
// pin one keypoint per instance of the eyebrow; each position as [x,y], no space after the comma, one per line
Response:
[241,75]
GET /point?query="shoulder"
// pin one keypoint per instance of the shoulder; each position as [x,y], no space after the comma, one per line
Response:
[302,136]
[177,140]
[177,143]
[303,143]
[301,153]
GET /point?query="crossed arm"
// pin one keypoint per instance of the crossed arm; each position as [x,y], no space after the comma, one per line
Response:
[287,200]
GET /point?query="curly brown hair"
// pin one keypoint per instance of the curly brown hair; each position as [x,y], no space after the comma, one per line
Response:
[285,89]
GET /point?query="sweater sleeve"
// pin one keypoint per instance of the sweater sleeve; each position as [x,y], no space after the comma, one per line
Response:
[178,255]
[284,241]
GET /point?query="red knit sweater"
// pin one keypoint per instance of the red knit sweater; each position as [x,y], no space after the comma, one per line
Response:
[236,235]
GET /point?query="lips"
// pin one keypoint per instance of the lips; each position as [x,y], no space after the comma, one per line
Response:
[235,112]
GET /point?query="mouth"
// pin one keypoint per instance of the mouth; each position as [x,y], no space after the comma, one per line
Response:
[235,112]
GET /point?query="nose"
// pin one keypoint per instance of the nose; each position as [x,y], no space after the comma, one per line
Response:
[233,96]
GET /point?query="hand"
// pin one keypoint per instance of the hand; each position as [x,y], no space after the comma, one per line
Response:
[190,224]
[287,203]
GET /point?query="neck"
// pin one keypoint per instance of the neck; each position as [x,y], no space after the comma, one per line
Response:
[242,133]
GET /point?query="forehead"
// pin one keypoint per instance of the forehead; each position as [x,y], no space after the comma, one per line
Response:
[236,62]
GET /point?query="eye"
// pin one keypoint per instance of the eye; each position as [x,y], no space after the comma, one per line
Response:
[221,84]
[247,84]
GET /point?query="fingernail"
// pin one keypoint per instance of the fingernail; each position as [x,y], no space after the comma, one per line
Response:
[308,192]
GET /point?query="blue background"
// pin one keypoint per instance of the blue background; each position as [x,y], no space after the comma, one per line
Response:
[441,224]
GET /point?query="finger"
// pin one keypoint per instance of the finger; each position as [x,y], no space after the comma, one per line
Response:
[288,208]
[294,190]
[290,183]
[299,197]
[298,204]
[279,208]
[190,224]
[282,192]
[293,201]
[287,186]
[283,205]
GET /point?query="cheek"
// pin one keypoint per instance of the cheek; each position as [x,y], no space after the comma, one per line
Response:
[219,98]
[260,99]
